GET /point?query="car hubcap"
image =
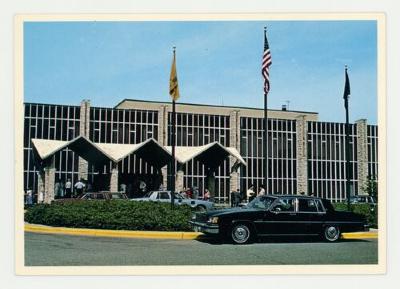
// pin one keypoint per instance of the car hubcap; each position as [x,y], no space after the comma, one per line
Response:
[331,233]
[240,234]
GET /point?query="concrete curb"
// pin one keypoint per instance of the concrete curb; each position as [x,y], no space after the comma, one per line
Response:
[150,234]
[360,235]
[111,233]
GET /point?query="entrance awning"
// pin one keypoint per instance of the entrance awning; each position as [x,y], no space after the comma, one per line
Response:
[212,154]
[100,153]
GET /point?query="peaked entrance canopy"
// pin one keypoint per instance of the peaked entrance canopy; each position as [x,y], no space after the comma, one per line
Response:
[100,153]
[212,154]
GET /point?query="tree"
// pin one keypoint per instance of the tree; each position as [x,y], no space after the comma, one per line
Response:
[371,187]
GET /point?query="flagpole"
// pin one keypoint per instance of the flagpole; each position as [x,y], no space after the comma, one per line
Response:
[265,135]
[173,169]
[347,131]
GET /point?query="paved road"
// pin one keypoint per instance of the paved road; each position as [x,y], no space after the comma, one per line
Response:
[63,250]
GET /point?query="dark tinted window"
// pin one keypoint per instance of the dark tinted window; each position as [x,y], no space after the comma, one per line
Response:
[319,205]
[327,204]
[284,205]
[163,195]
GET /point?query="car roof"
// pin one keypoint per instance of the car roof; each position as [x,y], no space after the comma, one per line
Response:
[293,196]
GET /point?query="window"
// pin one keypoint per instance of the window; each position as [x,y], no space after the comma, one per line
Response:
[163,195]
[307,205]
[284,205]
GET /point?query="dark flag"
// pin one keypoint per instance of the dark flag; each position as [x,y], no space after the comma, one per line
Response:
[346,92]
[266,63]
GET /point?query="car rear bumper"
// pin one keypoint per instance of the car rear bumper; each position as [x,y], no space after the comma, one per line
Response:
[204,228]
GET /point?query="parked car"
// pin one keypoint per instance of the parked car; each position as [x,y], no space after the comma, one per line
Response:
[165,196]
[279,215]
[103,196]
[363,199]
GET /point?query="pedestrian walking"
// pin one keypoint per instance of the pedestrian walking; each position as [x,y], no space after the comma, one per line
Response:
[68,188]
[79,186]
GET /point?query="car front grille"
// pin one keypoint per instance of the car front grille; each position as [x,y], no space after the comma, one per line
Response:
[199,217]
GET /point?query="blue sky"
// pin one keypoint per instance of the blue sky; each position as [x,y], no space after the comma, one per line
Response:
[217,63]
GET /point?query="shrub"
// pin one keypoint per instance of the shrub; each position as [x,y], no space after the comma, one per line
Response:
[370,211]
[114,214]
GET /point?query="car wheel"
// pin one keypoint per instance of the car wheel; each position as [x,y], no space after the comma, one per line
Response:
[200,208]
[331,233]
[241,234]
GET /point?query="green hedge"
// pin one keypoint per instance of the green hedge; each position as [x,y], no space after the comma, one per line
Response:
[370,211]
[115,214]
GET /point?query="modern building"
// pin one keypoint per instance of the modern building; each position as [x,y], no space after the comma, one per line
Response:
[304,154]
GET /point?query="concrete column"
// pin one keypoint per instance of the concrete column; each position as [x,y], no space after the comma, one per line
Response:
[164,172]
[362,153]
[114,178]
[179,181]
[234,132]
[301,150]
[234,141]
[49,181]
[84,127]
[234,181]
[161,135]
[41,183]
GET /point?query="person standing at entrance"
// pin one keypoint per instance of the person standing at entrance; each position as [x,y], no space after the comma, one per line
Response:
[250,194]
[206,195]
[262,191]
[79,186]
[68,188]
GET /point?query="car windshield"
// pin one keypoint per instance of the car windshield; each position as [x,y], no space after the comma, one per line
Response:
[178,196]
[263,202]
[328,205]
[148,194]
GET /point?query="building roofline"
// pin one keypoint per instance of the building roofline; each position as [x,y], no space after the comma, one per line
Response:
[204,105]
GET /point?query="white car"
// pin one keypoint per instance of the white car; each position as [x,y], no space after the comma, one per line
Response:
[165,196]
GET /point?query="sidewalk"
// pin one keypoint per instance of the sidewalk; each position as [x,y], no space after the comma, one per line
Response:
[372,234]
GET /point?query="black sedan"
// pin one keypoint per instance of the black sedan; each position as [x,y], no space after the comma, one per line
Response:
[282,215]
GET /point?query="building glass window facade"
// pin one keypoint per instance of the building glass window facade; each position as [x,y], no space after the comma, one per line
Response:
[327,160]
[53,122]
[197,130]
[281,154]
[325,147]
[372,136]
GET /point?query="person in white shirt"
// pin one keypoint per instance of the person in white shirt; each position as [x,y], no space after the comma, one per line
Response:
[79,186]
[262,191]
[250,193]
[68,188]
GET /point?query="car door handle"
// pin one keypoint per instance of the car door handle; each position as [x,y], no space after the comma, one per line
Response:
[292,214]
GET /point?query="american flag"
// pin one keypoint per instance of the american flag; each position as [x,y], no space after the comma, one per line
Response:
[266,63]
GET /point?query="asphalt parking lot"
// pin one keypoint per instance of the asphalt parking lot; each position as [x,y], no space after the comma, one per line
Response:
[66,250]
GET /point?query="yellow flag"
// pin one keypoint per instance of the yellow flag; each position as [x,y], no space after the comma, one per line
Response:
[173,82]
